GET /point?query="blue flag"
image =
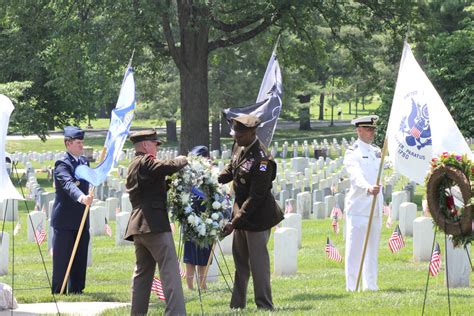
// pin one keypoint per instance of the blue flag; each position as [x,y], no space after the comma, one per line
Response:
[120,122]
[268,105]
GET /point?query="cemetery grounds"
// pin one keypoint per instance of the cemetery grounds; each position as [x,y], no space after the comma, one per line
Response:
[317,288]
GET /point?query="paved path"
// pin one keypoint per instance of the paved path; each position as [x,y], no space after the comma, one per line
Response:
[65,308]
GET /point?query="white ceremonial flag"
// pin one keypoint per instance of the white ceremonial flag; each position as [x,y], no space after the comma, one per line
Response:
[420,126]
[7,190]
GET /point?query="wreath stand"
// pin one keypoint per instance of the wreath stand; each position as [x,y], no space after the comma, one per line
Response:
[212,255]
[13,244]
[458,228]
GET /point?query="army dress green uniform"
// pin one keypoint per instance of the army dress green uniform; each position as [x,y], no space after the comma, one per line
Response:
[254,213]
[150,230]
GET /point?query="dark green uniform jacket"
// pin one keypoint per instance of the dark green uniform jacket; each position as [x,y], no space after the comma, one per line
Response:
[252,173]
[147,187]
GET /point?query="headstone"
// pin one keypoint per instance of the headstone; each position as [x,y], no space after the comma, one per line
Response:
[339,197]
[4,243]
[293,221]
[319,210]
[50,235]
[89,250]
[126,206]
[11,208]
[97,220]
[38,221]
[406,217]
[226,244]
[329,202]
[285,251]
[111,205]
[318,196]
[423,235]
[50,208]
[397,198]
[299,164]
[303,204]
[458,266]
[122,222]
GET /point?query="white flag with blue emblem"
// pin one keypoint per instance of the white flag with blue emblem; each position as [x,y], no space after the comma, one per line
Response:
[420,126]
[121,119]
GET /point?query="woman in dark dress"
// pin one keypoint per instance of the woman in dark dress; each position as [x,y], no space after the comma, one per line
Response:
[196,257]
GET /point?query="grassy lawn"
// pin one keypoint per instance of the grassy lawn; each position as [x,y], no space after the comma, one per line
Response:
[317,288]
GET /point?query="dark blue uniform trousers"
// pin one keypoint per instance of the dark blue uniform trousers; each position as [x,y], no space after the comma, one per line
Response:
[63,243]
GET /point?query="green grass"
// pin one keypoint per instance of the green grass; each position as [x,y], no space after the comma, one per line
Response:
[317,288]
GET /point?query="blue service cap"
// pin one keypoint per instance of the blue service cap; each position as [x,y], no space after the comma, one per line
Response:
[200,151]
[73,132]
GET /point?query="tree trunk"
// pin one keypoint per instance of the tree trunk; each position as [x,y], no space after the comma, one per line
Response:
[171,131]
[321,106]
[216,135]
[305,123]
[363,103]
[350,107]
[225,127]
[192,62]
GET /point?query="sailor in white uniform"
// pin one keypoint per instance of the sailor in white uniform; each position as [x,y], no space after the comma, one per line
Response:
[362,162]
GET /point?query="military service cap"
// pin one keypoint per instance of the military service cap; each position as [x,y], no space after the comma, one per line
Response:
[244,122]
[148,134]
[365,121]
[73,132]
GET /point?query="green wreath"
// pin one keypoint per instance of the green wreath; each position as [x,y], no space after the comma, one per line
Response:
[450,196]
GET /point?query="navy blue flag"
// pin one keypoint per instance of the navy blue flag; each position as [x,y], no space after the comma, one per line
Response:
[117,135]
[268,105]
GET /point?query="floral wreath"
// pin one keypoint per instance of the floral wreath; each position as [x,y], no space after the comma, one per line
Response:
[198,181]
[450,180]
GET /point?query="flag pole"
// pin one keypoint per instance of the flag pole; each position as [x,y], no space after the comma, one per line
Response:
[86,210]
[374,200]
[79,232]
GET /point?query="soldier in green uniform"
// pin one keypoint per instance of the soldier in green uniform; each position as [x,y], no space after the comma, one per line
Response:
[254,212]
[149,226]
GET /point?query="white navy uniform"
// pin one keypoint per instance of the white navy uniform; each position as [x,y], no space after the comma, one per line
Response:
[362,161]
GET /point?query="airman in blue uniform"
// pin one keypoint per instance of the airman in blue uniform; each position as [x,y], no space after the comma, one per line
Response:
[72,196]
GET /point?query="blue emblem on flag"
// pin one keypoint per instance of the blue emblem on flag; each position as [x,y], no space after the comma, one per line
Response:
[416,127]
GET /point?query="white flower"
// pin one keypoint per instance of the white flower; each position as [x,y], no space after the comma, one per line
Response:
[188,209]
[192,220]
[215,216]
[216,205]
[176,182]
[213,232]
[202,230]
[208,221]
[185,198]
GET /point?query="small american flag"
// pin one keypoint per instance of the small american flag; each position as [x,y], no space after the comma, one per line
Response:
[331,252]
[395,243]
[40,234]
[435,263]
[336,213]
[288,208]
[108,230]
[157,288]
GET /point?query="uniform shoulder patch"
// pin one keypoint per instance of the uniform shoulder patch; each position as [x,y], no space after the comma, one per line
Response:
[263,165]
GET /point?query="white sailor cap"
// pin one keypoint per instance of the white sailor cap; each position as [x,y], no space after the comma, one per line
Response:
[365,121]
